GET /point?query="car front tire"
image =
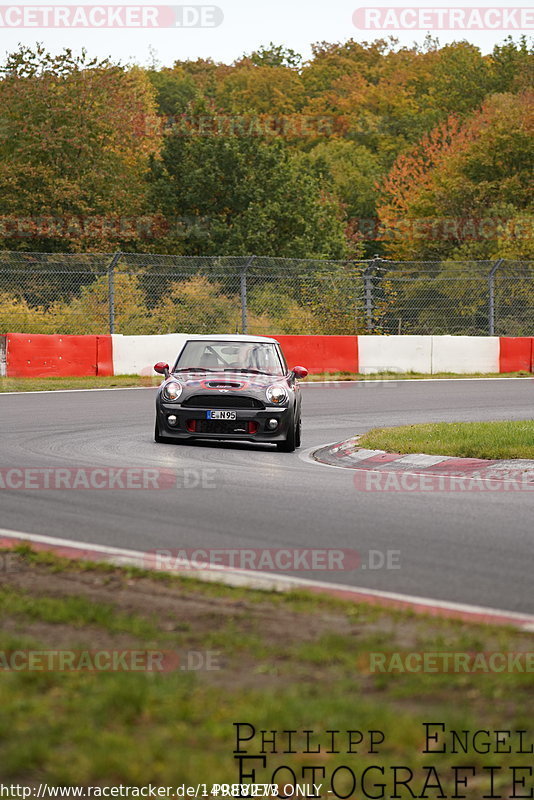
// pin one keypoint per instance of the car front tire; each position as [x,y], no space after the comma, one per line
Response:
[158,437]
[298,434]
[292,441]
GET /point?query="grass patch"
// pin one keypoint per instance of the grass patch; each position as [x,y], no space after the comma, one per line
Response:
[287,661]
[76,382]
[127,381]
[400,376]
[75,611]
[464,439]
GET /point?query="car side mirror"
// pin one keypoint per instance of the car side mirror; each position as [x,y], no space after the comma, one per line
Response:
[299,372]
[162,368]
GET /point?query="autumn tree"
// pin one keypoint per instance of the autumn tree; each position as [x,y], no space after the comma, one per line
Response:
[253,197]
[77,135]
[275,56]
[512,65]
[466,172]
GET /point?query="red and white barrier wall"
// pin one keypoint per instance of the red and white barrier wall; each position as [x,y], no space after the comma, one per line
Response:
[136,355]
[39,355]
[516,353]
[42,355]
[321,353]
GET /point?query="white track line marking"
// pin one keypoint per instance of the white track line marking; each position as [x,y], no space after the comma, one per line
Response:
[276,582]
[421,460]
[359,455]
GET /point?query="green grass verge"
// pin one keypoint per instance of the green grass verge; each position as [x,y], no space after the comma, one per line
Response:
[405,376]
[288,661]
[126,381]
[89,382]
[463,439]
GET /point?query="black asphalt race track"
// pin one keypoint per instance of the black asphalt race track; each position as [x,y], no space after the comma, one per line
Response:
[472,547]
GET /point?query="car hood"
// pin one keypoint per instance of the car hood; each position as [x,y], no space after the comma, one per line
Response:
[231,381]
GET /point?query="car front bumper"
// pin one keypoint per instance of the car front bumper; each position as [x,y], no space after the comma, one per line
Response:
[250,424]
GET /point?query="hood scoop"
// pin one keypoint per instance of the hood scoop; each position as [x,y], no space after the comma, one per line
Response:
[223,385]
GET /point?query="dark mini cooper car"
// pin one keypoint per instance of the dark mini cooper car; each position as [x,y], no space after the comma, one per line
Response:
[230,387]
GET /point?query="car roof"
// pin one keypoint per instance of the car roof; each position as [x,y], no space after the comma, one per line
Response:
[228,337]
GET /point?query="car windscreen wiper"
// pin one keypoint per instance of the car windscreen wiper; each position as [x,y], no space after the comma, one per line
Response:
[255,371]
[194,369]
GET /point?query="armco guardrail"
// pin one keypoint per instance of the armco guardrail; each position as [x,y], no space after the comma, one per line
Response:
[40,355]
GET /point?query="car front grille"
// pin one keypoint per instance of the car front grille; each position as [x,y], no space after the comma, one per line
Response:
[222,401]
[221,426]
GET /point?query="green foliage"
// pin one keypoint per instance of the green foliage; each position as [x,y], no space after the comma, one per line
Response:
[270,156]
[258,197]
[18,315]
[329,302]
[275,56]
[512,66]
[131,314]
[77,137]
[196,305]
[473,171]
[175,90]
[353,172]
[271,302]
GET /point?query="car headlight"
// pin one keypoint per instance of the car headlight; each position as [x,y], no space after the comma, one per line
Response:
[277,394]
[172,390]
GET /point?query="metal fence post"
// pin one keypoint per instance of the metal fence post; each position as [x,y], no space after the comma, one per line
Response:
[491,295]
[368,292]
[111,291]
[243,290]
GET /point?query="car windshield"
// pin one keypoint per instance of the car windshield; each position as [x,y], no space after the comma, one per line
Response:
[261,357]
